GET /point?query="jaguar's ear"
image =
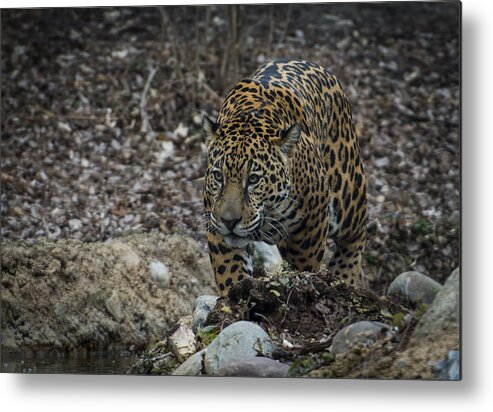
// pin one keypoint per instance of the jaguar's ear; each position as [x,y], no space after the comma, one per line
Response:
[209,128]
[289,138]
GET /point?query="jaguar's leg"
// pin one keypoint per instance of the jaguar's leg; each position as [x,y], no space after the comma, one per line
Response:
[305,250]
[230,265]
[346,261]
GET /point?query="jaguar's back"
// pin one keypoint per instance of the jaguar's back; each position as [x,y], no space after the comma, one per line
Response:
[299,110]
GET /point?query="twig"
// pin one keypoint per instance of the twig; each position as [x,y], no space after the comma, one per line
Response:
[146,126]
[270,36]
[287,304]
[167,29]
[286,26]
[209,90]
[45,225]
[410,114]
[189,141]
[265,318]
[405,334]
[232,58]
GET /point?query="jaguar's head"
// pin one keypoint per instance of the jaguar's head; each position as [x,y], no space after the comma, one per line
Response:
[247,176]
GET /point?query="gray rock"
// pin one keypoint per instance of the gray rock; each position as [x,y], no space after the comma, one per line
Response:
[192,366]
[266,256]
[436,334]
[240,340]
[363,332]
[448,369]
[415,286]
[259,367]
[444,313]
[75,225]
[160,274]
[204,305]
[182,340]
[382,162]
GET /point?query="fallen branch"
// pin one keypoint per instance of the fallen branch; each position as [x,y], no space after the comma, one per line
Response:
[316,347]
[146,126]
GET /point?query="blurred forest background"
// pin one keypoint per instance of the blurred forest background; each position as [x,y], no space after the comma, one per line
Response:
[101,111]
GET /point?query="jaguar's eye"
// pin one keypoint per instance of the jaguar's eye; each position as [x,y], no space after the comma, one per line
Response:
[253,179]
[218,176]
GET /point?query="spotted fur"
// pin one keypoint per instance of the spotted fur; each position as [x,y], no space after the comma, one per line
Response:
[284,167]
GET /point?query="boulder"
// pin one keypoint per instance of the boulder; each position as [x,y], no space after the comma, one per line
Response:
[193,366]
[364,332]
[239,340]
[443,315]
[415,286]
[254,367]
[435,335]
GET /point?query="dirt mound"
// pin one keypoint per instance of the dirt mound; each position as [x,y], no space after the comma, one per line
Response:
[303,311]
[118,295]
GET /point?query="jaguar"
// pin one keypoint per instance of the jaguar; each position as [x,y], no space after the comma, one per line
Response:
[284,167]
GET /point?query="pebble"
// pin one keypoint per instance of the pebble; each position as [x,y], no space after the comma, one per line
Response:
[448,369]
[363,331]
[115,144]
[239,340]
[204,305]
[75,225]
[160,274]
[182,340]
[254,367]
[128,218]
[382,162]
[415,286]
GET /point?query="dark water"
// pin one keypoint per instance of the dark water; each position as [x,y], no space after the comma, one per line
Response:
[83,363]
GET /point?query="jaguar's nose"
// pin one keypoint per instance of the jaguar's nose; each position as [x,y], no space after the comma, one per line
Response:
[231,223]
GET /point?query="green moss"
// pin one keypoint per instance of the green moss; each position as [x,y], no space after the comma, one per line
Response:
[398,319]
[421,309]
[301,366]
[207,334]
[328,357]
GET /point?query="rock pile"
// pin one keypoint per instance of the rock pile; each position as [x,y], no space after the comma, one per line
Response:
[365,348]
